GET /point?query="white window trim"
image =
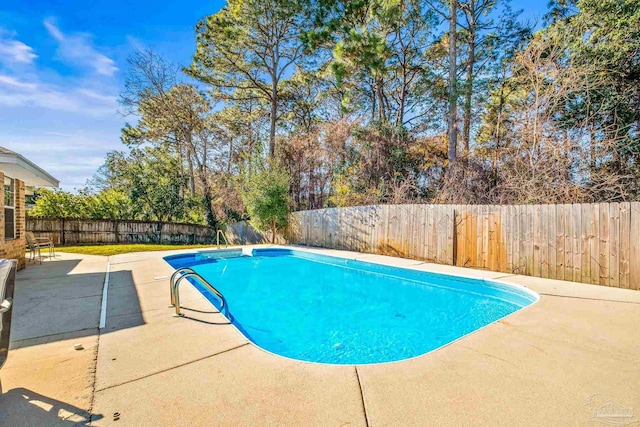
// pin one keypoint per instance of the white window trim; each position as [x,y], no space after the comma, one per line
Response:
[13,207]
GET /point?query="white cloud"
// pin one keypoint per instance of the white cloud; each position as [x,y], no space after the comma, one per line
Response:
[78,49]
[14,83]
[65,122]
[15,92]
[92,96]
[14,51]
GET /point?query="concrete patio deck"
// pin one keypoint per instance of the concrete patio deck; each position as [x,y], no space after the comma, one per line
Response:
[553,363]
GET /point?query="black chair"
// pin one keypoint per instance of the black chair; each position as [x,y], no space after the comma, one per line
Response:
[7,284]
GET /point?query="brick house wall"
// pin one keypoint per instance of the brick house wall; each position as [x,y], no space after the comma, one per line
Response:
[14,248]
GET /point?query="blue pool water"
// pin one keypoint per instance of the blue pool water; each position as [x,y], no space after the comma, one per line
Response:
[333,310]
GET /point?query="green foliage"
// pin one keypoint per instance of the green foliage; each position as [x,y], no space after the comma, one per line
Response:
[565,120]
[246,52]
[107,204]
[266,196]
[151,179]
[57,203]
[145,184]
[605,45]
[380,158]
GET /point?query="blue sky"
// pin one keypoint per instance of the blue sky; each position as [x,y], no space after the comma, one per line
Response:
[62,64]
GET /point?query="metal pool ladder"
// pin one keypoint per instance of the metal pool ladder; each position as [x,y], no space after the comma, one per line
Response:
[226,241]
[185,272]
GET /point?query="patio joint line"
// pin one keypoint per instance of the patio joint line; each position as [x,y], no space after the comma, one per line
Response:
[173,367]
[94,377]
[364,406]
[85,296]
[588,298]
[53,335]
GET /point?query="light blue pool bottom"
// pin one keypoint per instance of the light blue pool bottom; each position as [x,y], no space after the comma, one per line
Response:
[327,309]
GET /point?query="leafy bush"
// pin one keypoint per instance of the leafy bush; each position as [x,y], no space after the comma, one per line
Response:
[107,204]
[266,197]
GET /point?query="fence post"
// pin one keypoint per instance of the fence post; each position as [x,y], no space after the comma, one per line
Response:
[116,229]
[455,239]
[62,240]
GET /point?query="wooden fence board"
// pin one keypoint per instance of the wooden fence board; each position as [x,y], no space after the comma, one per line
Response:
[501,253]
[472,238]
[529,239]
[492,253]
[585,255]
[448,224]
[484,260]
[634,253]
[568,246]
[560,216]
[576,245]
[507,216]
[521,240]
[544,240]
[625,243]
[594,251]
[515,240]
[536,241]
[614,244]
[603,240]
[552,241]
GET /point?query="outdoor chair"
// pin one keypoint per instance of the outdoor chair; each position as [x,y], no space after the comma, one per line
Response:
[36,244]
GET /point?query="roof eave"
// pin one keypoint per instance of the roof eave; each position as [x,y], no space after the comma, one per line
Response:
[32,173]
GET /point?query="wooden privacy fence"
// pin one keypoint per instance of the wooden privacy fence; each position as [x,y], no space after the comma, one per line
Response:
[411,231]
[71,231]
[589,243]
[243,233]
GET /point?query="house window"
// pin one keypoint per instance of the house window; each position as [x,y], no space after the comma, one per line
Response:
[9,208]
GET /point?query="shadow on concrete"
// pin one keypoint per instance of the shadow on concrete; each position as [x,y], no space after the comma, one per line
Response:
[195,319]
[56,301]
[213,311]
[123,303]
[61,300]
[20,406]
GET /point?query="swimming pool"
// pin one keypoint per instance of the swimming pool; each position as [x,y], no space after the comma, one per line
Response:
[326,309]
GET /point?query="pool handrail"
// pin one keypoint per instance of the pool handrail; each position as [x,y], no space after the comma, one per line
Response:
[226,241]
[172,282]
[176,294]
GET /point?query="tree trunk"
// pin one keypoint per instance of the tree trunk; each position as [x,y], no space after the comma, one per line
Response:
[403,97]
[212,220]
[498,135]
[273,231]
[273,113]
[466,127]
[382,111]
[452,119]
[192,179]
